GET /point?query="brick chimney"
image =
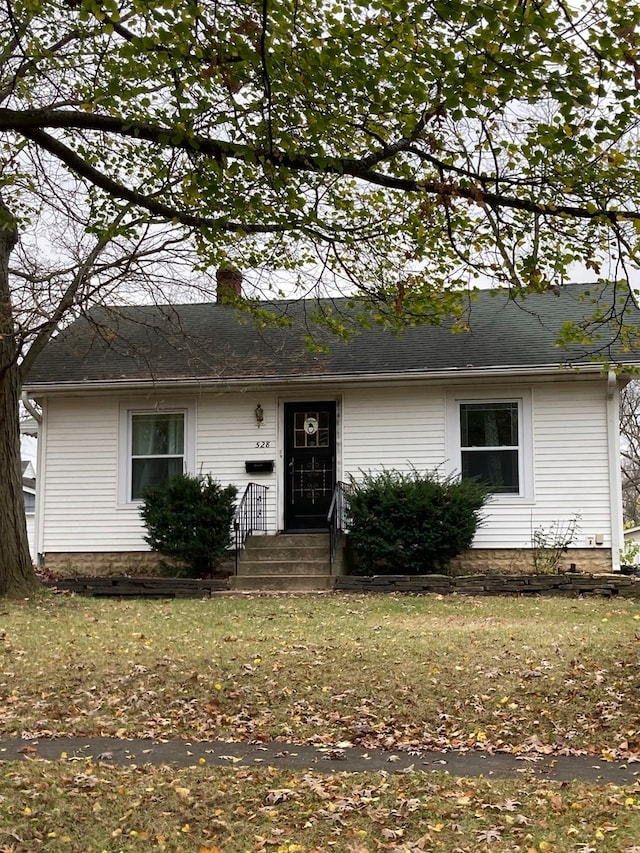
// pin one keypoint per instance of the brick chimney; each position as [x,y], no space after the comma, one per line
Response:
[229,284]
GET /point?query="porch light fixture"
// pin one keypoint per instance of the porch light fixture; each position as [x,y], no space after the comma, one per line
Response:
[259,413]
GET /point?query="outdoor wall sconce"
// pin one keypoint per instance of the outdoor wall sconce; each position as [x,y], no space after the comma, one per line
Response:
[259,412]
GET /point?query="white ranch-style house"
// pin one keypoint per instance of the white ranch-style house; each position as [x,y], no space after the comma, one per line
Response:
[132,395]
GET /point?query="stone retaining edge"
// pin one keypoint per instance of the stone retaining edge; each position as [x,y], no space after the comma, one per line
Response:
[569,584]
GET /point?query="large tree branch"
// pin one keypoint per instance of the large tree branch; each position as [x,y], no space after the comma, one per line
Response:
[30,123]
[117,190]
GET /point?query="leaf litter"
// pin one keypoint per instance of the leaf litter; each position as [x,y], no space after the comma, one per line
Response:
[405,674]
[531,678]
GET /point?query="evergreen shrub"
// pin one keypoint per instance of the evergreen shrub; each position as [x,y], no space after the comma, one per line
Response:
[412,523]
[189,519]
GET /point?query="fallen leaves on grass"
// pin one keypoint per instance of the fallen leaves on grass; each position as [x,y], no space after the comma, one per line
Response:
[110,808]
[533,679]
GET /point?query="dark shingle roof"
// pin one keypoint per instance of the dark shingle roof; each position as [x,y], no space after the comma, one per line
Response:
[215,341]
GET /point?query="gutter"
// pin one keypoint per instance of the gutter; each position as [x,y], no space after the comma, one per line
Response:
[26,402]
[310,379]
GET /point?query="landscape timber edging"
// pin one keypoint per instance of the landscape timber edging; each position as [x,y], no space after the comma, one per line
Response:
[139,587]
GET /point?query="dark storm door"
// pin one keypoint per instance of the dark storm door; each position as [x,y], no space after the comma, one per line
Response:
[310,464]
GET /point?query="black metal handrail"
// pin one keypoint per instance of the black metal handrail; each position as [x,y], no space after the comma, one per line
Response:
[250,515]
[337,518]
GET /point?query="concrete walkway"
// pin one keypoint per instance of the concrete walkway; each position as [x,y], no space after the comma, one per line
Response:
[321,760]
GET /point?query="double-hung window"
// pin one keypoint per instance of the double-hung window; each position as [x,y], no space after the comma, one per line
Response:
[489,437]
[155,445]
[489,444]
[157,449]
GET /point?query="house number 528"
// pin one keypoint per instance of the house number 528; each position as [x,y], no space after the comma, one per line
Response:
[263,444]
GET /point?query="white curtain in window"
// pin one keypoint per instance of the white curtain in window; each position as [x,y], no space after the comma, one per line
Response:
[158,434]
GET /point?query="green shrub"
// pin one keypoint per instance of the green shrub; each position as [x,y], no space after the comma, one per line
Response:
[411,523]
[189,519]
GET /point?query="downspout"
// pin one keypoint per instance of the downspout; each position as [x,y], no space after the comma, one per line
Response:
[40,476]
[615,476]
[26,402]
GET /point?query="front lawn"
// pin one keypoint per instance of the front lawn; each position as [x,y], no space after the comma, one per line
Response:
[88,808]
[531,676]
[388,671]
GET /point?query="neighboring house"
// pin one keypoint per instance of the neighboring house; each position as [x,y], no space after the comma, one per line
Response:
[28,442]
[632,545]
[132,395]
[29,495]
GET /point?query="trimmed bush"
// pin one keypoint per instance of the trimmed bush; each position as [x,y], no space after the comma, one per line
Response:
[411,523]
[189,519]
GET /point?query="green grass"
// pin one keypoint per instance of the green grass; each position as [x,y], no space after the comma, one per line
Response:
[525,675]
[377,671]
[96,808]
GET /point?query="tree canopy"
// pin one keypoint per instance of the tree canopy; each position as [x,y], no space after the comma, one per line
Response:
[404,149]
[406,145]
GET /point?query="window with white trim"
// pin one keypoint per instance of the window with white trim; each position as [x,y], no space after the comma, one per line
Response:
[489,444]
[155,445]
[490,437]
[157,449]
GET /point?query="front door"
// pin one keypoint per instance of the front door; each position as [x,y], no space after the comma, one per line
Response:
[310,469]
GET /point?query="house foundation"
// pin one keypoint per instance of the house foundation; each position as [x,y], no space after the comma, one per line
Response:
[480,561]
[94,565]
[527,561]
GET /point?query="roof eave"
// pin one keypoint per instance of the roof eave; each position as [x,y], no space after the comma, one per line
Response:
[126,384]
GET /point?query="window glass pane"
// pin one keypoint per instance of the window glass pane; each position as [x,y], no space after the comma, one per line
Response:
[498,468]
[489,424]
[157,449]
[152,472]
[157,434]
[311,429]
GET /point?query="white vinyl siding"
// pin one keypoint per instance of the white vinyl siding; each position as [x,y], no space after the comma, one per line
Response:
[30,501]
[78,478]
[229,435]
[393,427]
[572,458]
[85,479]
[570,465]
[402,426]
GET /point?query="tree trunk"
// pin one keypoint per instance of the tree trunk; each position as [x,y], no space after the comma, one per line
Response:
[17,577]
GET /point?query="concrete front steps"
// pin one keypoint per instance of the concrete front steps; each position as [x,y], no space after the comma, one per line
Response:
[286,562]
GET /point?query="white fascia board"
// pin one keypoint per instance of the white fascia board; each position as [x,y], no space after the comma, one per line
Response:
[455,375]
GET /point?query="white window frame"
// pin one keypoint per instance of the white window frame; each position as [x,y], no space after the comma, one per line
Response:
[525,436]
[125,455]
